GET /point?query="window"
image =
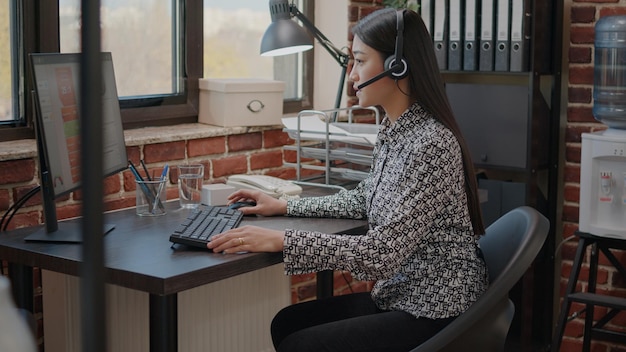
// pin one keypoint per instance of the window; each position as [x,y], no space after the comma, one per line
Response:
[160,50]
[6,98]
[233,51]
[144,39]
[147,41]
[10,69]
[13,120]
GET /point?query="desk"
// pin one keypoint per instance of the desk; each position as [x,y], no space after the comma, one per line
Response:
[138,256]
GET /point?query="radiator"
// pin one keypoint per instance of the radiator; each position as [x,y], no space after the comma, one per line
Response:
[231,315]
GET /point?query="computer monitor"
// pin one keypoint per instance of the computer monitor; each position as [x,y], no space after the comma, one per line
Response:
[57,122]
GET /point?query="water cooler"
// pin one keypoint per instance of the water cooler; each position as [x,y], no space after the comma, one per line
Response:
[603,156]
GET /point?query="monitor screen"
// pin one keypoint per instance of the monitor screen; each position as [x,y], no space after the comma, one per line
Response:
[57,99]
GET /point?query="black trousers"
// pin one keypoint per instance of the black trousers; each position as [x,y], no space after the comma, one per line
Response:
[349,323]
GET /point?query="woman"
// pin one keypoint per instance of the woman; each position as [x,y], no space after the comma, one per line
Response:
[420,200]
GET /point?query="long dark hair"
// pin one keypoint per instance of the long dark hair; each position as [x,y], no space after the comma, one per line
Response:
[378,31]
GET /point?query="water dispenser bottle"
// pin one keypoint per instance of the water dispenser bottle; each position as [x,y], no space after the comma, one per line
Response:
[609,91]
[602,210]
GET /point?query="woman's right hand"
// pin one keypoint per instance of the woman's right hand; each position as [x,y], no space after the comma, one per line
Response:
[266,205]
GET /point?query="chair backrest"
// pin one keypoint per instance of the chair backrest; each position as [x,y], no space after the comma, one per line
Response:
[509,246]
[512,242]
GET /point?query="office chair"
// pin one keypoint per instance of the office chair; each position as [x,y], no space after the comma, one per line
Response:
[509,246]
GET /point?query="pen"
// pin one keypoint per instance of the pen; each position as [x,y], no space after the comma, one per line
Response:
[144,188]
[145,169]
[133,169]
[164,173]
[157,200]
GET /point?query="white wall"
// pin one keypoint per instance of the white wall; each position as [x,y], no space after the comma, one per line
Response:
[331,18]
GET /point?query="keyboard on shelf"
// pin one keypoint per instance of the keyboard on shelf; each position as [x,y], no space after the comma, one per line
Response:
[204,222]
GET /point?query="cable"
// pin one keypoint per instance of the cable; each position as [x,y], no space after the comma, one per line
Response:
[558,247]
[16,206]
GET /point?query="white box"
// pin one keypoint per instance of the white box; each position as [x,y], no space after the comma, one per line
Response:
[216,194]
[240,102]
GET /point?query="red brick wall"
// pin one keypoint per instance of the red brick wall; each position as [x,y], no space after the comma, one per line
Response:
[257,152]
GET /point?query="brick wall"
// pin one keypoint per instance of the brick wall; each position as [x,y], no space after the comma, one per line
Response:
[584,15]
[255,152]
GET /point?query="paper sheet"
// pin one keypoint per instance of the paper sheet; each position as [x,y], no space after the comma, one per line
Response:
[313,128]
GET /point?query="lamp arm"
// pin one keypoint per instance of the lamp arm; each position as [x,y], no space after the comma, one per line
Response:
[341,57]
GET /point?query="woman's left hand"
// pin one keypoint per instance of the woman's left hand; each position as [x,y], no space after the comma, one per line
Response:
[247,239]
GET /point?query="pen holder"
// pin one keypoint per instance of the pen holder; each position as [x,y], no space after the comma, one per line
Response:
[150,197]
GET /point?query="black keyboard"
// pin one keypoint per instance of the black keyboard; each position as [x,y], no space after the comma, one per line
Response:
[204,222]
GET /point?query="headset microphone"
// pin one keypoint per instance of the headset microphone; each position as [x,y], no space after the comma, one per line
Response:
[383,74]
[396,69]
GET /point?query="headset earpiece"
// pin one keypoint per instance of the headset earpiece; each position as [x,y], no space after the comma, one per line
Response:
[396,70]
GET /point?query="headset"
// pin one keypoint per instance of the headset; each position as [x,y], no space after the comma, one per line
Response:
[395,65]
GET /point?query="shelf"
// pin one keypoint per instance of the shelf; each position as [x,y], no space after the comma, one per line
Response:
[490,77]
[510,123]
[598,300]
[342,146]
[348,153]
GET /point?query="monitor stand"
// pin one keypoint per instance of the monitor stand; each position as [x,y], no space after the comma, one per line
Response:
[67,232]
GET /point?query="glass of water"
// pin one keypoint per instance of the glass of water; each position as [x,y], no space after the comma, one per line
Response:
[190,185]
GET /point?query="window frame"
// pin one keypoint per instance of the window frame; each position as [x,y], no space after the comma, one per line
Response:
[40,32]
[297,105]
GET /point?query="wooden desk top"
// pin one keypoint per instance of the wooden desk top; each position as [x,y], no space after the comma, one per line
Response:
[138,254]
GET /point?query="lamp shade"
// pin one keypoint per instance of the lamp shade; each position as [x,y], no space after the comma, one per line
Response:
[284,36]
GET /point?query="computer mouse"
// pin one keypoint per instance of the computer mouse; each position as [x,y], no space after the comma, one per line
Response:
[238,205]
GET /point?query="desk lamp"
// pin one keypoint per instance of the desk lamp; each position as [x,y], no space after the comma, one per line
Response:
[284,36]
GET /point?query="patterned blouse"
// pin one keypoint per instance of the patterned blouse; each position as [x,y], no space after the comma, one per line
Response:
[420,246]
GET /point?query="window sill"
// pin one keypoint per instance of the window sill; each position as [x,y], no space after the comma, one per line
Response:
[27,148]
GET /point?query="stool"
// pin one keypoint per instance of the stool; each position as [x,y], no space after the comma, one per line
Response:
[590,298]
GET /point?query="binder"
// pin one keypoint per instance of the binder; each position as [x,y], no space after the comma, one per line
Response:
[470,42]
[485,57]
[520,35]
[426,11]
[440,36]
[455,46]
[491,208]
[502,51]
